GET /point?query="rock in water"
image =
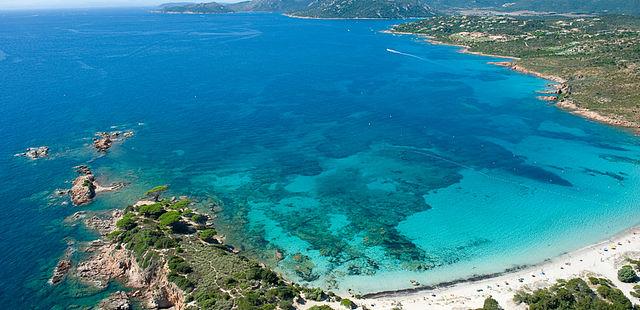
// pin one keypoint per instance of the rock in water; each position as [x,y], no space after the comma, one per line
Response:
[83,189]
[60,271]
[102,144]
[104,140]
[62,268]
[35,152]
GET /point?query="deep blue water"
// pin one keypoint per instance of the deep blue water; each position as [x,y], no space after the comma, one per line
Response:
[362,156]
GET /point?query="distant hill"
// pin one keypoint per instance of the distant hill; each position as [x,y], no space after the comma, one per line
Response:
[559,6]
[396,9]
[196,8]
[581,6]
[172,4]
[282,6]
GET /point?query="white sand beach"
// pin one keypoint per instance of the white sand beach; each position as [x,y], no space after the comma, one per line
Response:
[600,260]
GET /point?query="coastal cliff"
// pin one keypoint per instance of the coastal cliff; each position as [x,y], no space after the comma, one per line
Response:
[110,261]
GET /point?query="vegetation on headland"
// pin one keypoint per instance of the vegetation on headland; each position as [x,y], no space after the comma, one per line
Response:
[576,293]
[599,57]
[211,275]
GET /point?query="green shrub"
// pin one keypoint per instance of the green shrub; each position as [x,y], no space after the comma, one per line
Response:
[615,296]
[139,241]
[181,281]
[165,242]
[208,235]
[156,191]
[286,305]
[262,274]
[127,222]
[211,299]
[281,293]
[315,294]
[347,303]
[491,304]
[114,235]
[169,219]
[574,294]
[323,307]
[152,210]
[636,291]
[626,274]
[149,259]
[199,218]
[180,204]
[179,265]
[600,281]
[250,301]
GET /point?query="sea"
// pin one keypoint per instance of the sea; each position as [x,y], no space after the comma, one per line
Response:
[343,157]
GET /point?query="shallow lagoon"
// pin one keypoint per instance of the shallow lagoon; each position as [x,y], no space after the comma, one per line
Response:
[356,163]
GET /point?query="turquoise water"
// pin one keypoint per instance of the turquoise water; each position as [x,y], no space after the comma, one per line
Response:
[367,159]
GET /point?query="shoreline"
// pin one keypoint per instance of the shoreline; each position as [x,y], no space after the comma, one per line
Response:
[602,258]
[563,104]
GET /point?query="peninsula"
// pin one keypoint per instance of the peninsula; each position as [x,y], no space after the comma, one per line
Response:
[170,255]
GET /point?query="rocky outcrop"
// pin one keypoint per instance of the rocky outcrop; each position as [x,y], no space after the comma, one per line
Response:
[116,301]
[548,98]
[104,140]
[563,89]
[34,153]
[102,224]
[62,268]
[110,261]
[83,188]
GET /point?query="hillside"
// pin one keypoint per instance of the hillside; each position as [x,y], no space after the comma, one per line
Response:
[583,6]
[393,9]
[558,6]
[270,6]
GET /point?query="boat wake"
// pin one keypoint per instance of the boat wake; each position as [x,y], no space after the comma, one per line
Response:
[404,54]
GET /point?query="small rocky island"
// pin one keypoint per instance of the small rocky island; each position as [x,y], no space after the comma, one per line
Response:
[170,255]
[85,187]
[104,140]
[34,153]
